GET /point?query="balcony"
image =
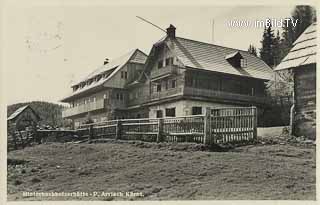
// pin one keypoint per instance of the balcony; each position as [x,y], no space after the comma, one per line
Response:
[163,72]
[166,93]
[224,96]
[99,104]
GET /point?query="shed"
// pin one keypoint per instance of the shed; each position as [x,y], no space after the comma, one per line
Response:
[23,117]
[302,61]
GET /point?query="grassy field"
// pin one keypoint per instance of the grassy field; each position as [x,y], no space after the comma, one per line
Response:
[150,171]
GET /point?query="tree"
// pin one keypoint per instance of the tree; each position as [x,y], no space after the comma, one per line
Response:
[305,16]
[252,49]
[266,52]
[276,49]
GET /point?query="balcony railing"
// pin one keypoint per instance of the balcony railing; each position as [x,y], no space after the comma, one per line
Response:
[97,105]
[189,91]
[164,71]
[167,93]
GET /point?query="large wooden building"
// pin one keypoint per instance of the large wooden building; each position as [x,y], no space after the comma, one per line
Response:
[179,77]
[302,61]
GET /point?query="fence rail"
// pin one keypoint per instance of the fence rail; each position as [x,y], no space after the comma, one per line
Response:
[216,126]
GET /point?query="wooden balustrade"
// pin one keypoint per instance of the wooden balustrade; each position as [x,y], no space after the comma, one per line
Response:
[197,92]
[164,71]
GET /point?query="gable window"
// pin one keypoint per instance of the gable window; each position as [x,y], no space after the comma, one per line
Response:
[122,74]
[169,61]
[125,75]
[243,63]
[159,88]
[173,83]
[160,64]
[196,110]
[159,114]
[170,112]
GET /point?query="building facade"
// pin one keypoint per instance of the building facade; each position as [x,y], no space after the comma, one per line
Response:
[179,77]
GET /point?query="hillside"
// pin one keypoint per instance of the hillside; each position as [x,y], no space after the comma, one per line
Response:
[49,113]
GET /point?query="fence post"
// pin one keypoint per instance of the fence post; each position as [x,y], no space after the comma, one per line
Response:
[160,130]
[207,126]
[90,132]
[118,130]
[255,122]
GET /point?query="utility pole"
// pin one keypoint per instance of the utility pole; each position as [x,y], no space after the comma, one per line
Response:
[212,35]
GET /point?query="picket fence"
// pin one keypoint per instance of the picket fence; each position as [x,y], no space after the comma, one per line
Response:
[215,126]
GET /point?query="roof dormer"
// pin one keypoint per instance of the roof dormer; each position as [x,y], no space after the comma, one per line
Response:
[236,60]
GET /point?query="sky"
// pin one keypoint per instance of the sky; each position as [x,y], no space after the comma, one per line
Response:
[49,47]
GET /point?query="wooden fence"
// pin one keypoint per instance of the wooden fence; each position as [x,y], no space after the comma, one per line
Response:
[219,126]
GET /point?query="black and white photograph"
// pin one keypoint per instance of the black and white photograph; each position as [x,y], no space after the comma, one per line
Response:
[127,101]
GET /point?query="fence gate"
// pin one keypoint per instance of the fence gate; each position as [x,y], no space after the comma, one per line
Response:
[234,124]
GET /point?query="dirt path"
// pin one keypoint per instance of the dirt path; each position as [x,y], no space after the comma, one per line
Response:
[251,172]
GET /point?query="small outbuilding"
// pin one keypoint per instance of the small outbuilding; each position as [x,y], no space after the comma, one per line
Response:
[301,60]
[22,118]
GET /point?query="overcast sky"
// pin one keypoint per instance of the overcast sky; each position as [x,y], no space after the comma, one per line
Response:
[47,47]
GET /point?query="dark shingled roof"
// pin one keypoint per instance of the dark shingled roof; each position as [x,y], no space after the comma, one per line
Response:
[212,57]
[304,50]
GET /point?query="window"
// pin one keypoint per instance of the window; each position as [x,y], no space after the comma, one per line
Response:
[173,83]
[243,63]
[104,96]
[159,114]
[159,88]
[94,99]
[118,96]
[166,85]
[169,61]
[154,88]
[121,96]
[171,112]
[196,110]
[124,75]
[160,64]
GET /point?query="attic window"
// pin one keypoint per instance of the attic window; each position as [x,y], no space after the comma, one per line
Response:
[243,63]
[169,61]
[160,64]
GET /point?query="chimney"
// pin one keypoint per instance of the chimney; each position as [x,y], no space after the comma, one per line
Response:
[171,31]
[106,61]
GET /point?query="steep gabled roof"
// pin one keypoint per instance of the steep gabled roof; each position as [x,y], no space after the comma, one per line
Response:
[20,110]
[303,52]
[205,56]
[134,56]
